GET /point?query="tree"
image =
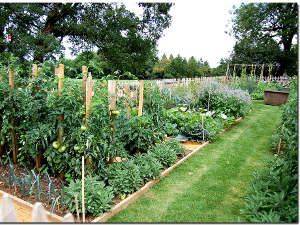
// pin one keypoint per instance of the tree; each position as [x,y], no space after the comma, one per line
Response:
[122,38]
[258,27]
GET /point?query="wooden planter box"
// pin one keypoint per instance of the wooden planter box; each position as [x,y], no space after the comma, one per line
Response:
[275,97]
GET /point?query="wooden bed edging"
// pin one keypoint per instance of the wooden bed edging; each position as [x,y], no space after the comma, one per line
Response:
[51,217]
[131,198]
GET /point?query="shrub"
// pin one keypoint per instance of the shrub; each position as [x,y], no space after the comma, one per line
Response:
[98,198]
[164,154]
[223,99]
[123,177]
[175,145]
[149,167]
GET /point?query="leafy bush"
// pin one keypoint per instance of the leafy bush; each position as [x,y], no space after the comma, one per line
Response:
[149,167]
[138,133]
[164,154]
[274,193]
[223,99]
[123,177]
[97,197]
[175,145]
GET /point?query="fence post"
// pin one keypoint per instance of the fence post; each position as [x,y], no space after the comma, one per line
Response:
[84,77]
[60,86]
[141,98]
[13,132]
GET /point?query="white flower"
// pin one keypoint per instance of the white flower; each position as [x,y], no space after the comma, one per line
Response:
[223,116]
[209,113]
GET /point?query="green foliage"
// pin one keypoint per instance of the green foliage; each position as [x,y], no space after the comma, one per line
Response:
[149,167]
[123,177]
[261,29]
[97,197]
[164,154]
[175,146]
[274,193]
[139,133]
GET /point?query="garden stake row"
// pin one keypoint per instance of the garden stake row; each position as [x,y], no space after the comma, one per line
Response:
[13,132]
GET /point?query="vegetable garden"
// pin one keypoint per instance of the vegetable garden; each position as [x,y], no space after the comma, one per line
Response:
[125,133]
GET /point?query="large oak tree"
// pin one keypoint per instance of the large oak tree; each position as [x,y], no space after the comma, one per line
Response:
[125,39]
[265,34]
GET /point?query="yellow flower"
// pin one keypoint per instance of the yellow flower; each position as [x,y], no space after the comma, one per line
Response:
[123,196]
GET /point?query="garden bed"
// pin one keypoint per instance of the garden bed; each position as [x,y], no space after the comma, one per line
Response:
[24,204]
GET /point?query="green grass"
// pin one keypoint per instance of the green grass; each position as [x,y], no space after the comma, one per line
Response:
[209,186]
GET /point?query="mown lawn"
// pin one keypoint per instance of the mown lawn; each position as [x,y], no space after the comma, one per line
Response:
[209,187]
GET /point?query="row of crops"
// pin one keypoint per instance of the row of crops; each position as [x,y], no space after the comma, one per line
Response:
[147,144]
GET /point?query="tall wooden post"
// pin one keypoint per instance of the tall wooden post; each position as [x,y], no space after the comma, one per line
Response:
[141,98]
[84,77]
[89,90]
[60,86]
[227,73]
[13,132]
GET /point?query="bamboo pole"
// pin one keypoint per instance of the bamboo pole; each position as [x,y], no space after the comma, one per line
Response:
[141,98]
[13,132]
[203,128]
[82,192]
[278,151]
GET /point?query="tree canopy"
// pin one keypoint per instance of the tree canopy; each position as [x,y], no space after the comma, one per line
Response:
[265,34]
[124,39]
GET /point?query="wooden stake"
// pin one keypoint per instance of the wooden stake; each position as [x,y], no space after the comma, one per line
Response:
[262,73]
[89,89]
[13,132]
[141,98]
[82,189]
[60,86]
[278,151]
[84,77]
[34,70]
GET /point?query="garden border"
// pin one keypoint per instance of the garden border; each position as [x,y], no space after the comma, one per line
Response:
[124,203]
[132,197]
[50,216]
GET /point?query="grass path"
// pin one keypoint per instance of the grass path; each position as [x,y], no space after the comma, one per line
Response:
[209,187]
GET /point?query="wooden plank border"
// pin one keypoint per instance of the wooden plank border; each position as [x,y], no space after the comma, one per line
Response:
[131,198]
[51,217]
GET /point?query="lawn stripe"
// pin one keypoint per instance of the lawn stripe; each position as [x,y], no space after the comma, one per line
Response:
[209,186]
